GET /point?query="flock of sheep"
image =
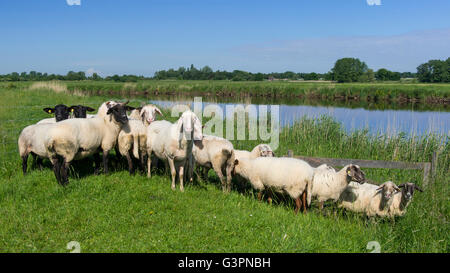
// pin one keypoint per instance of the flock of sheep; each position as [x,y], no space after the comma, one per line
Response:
[73,135]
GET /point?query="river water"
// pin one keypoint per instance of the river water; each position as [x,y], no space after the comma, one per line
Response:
[386,121]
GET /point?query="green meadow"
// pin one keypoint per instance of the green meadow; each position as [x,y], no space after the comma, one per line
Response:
[123,213]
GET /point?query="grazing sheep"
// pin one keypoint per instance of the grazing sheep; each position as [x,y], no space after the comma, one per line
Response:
[263,150]
[368,198]
[173,143]
[401,200]
[282,174]
[134,134]
[217,153]
[328,184]
[78,138]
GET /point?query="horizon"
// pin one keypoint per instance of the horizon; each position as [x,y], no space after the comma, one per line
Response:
[142,37]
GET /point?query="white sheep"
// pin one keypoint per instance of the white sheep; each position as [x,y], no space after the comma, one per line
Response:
[281,174]
[217,153]
[263,150]
[31,140]
[134,133]
[173,143]
[328,184]
[78,138]
[368,198]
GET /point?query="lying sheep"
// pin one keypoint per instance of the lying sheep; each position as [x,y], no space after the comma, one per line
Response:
[286,175]
[78,138]
[263,150]
[134,134]
[368,198]
[328,184]
[173,143]
[217,153]
[401,200]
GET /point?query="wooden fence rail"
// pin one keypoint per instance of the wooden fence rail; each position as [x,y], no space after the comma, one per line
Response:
[429,168]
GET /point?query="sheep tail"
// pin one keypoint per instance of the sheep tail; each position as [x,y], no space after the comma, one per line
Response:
[229,155]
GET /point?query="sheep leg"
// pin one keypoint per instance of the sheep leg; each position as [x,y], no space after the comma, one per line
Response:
[304,202]
[229,170]
[172,171]
[298,204]
[130,163]
[97,163]
[24,163]
[64,167]
[105,162]
[321,205]
[259,195]
[56,169]
[269,199]
[181,174]
[149,166]
[218,171]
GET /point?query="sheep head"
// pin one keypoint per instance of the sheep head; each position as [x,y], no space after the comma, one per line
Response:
[388,189]
[190,126]
[354,173]
[79,111]
[118,112]
[61,112]
[148,113]
[408,189]
[264,150]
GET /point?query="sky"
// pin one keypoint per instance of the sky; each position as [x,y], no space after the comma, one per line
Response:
[143,36]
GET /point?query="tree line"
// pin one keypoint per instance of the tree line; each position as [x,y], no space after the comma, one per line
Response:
[344,70]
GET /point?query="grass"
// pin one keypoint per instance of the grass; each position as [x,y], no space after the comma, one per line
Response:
[123,213]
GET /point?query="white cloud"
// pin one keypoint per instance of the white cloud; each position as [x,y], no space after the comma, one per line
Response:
[73,2]
[374,2]
[91,71]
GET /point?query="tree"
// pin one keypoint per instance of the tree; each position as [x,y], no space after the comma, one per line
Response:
[434,71]
[348,70]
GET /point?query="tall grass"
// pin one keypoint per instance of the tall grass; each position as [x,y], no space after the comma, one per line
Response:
[122,213]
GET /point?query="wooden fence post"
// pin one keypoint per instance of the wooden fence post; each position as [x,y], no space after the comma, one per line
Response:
[426,173]
[290,153]
[434,163]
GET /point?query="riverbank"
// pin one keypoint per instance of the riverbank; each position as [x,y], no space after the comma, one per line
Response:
[399,93]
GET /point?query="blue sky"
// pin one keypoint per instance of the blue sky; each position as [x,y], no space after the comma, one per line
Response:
[141,37]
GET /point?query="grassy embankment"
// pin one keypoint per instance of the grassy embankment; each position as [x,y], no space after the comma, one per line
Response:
[122,213]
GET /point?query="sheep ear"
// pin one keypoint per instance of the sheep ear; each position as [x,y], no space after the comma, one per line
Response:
[380,188]
[89,109]
[417,188]
[197,129]
[49,110]
[158,111]
[401,185]
[129,108]
[72,108]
